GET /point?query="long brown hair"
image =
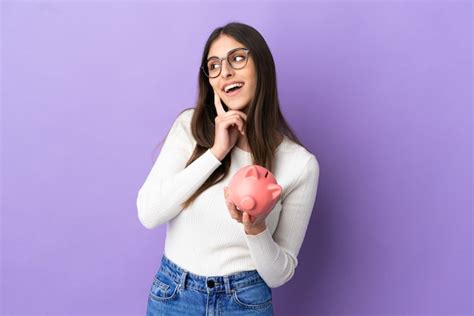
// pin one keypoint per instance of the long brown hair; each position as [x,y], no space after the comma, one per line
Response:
[265,123]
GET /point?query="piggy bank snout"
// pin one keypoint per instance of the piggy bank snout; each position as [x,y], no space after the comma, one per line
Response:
[247,203]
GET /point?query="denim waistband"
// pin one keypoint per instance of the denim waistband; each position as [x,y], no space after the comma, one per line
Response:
[227,283]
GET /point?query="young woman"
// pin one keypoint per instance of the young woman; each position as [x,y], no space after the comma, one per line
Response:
[218,259]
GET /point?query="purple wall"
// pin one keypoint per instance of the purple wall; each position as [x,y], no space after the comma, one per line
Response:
[380,92]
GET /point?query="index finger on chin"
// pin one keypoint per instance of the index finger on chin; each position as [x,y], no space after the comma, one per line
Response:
[217,102]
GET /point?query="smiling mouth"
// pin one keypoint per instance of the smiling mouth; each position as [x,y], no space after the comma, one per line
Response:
[234,87]
[233,91]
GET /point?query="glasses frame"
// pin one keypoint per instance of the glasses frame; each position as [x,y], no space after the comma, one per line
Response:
[203,67]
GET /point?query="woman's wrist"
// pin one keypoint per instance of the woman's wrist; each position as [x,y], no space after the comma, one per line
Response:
[217,153]
[255,230]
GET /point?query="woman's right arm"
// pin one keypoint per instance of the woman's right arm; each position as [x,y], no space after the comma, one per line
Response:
[169,182]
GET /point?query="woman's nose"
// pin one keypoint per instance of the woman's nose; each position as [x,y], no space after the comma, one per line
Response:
[226,70]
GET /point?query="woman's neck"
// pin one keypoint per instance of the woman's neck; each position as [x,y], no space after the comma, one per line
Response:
[242,143]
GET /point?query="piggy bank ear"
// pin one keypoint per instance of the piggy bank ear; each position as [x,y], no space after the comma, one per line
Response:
[275,190]
[251,172]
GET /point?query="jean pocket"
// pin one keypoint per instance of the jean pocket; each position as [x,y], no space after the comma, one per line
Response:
[255,296]
[163,288]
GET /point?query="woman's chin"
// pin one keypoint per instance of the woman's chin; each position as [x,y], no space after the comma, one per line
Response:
[236,106]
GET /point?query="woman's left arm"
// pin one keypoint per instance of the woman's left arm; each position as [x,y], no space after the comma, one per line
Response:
[276,257]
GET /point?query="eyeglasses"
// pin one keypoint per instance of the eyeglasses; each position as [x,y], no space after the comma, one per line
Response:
[237,58]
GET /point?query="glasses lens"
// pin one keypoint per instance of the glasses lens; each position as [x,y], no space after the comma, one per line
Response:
[213,67]
[238,59]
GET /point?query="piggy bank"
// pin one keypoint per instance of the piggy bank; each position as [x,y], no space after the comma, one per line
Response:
[254,189]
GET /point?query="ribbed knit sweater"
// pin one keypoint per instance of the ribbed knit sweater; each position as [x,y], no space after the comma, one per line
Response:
[203,238]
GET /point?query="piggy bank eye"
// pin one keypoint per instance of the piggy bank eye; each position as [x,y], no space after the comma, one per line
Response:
[266,174]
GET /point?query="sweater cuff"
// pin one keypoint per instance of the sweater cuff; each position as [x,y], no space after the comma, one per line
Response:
[211,158]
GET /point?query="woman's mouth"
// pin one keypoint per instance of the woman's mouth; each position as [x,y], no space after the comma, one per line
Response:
[234,90]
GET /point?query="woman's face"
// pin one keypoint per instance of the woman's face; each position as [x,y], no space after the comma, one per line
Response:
[247,75]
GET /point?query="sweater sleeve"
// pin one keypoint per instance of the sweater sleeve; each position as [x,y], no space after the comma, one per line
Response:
[276,257]
[169,182]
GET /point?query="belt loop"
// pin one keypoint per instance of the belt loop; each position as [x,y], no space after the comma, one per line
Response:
[227,285]
[182,284]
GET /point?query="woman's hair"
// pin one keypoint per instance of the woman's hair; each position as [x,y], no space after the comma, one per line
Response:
[265,121]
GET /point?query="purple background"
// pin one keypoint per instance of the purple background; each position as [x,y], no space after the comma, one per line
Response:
[380,92]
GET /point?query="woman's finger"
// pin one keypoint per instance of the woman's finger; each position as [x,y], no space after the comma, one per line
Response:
[231,206]
[234,120]
[241,114]
[233,212]
[217,103]
[234,215]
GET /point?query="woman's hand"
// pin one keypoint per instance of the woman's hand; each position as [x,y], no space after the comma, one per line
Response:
[253,225]
[228,127]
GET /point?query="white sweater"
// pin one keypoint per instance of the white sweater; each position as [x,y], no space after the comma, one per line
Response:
[203,238]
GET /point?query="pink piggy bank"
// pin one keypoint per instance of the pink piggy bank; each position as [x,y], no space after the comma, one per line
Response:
[254,189]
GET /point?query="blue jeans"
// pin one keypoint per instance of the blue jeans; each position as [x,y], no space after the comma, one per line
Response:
[175,291]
